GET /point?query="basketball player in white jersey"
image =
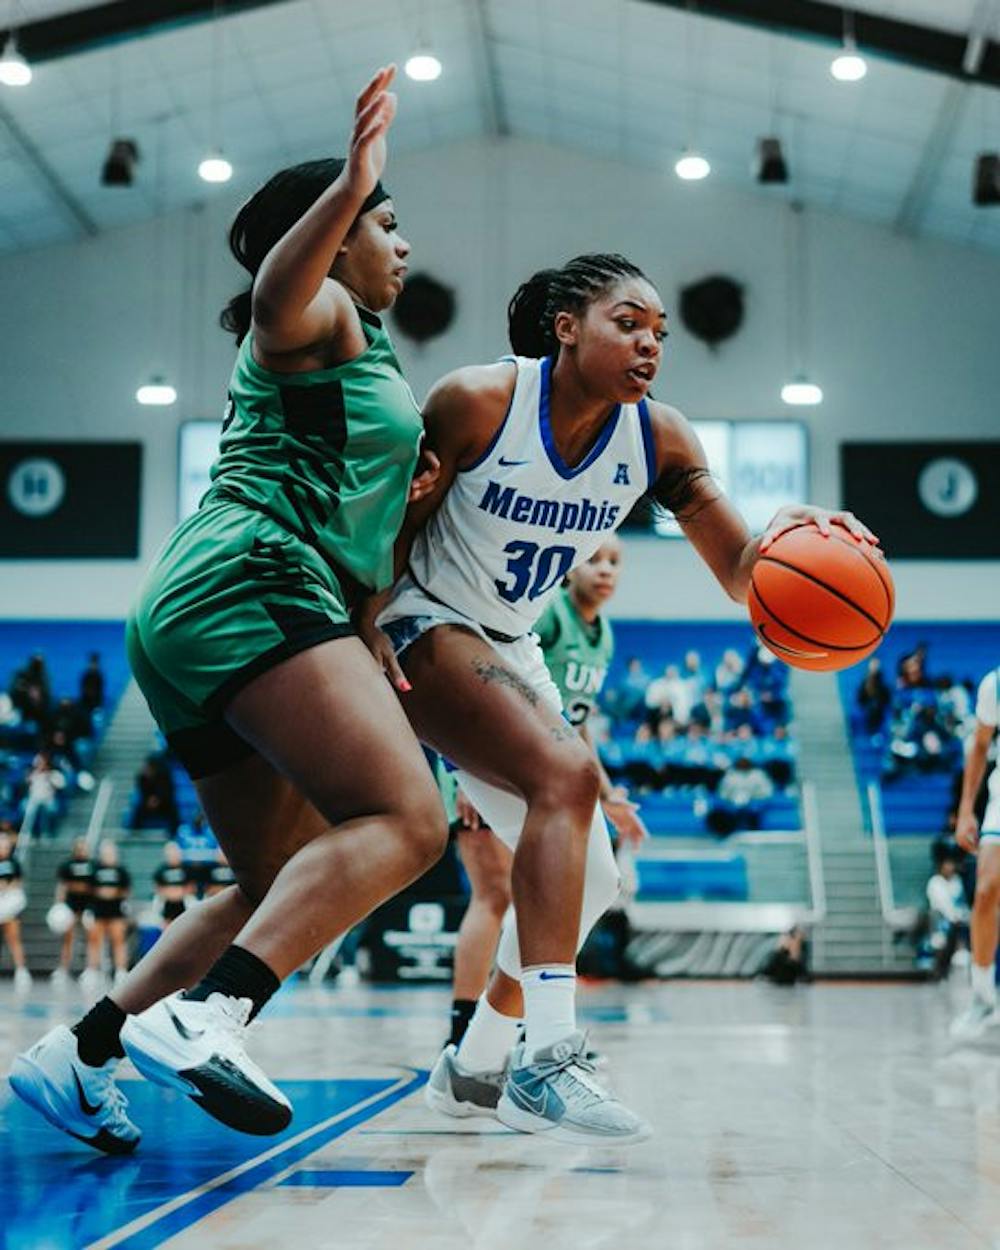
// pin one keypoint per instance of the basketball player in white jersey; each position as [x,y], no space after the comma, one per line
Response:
[984,843]
[542,455]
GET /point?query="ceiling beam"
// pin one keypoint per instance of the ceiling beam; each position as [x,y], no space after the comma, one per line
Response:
[921,47]
[487,76]
[36,162]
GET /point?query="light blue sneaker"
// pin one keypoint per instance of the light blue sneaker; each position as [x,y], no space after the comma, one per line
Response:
[556,1094]
[459,1092]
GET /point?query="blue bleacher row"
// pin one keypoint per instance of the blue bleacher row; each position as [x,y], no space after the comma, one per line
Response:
[675,772]
[59,725]
[918,788]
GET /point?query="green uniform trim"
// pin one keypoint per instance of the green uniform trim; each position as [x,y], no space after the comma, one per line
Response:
[577,654]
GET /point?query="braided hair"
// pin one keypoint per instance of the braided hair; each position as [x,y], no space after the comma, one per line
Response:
[532,312]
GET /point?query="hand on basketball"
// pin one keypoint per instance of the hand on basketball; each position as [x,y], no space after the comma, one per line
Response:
[373,114]
[465,812]
[624,815]
[823,518]
[967,832]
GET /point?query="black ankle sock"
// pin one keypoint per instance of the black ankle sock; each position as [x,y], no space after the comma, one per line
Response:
[462,1011]
[238,974]
[98,1034]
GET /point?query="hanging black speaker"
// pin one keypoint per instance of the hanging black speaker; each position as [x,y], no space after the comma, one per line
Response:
[425,308]
[712,309]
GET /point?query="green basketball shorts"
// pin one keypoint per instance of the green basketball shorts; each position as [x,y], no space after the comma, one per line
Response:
[231,594]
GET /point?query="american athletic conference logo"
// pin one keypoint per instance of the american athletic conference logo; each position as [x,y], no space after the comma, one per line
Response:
[36,487]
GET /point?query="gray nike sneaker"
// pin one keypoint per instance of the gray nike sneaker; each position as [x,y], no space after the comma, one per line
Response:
[974,1021]
[556,1094]
[456,1092]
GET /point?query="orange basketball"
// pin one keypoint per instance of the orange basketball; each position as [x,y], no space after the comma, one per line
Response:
[820,603]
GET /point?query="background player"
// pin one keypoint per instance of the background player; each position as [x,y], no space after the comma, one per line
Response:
[577,643]
[13,901]
[74,884]
[985,845]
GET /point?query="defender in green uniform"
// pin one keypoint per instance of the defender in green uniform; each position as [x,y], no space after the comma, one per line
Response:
[577,652]
[307,496]
[305,765]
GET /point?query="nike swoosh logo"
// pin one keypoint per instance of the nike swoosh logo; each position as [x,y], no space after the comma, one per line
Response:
[86,1107]
[510,464]
[555,976]
[188,1034]
[780,646]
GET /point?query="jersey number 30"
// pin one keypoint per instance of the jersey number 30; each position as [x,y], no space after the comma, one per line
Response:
[534,570]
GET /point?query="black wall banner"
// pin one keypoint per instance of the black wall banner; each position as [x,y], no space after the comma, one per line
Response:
[64,501]
[936,500]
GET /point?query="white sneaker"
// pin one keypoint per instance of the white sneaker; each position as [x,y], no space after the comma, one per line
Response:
[197,1047]
[974,1021]
[23,980]
[121,975]
[82,1101]
[460,1093]
[59,978]
[556,1094]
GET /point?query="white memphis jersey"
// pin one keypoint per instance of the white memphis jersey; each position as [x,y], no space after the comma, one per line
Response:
[514,523]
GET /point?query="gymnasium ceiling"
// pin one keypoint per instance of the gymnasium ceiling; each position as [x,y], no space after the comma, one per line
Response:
[634,79]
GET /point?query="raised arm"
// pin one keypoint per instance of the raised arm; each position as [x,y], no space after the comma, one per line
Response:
[710,522]
[295,303]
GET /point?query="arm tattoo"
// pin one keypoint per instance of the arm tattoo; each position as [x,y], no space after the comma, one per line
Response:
[488,672]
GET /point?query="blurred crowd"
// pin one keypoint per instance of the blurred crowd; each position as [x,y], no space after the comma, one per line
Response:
[720,732]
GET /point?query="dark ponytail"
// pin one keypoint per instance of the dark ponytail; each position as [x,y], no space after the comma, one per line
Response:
[268,216]
[532,312]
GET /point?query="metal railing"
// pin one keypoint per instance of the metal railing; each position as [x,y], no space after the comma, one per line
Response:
[99,812]
[895,917]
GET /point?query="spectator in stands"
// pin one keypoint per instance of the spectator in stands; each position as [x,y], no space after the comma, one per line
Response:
[74,883]
[92,685]
[949,915]
[740,710]
[31,690]
[631,697]
[109,907]
[154,804]
[767,679]
[640,759]
[921,740]
[911,670]
[668,695]
[12,903]
[874,698]
[740,799]
[198,849]
[173,883]
[220,875]
[44,784]
[729,671]
[788,962]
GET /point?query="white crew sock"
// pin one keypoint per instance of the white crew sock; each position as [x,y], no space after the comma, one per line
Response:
[488,1040]
[549,1005]
[984,984]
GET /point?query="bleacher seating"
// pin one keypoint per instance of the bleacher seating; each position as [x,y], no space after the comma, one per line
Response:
[720,878]
[678,809]
[917,801]
[65,647]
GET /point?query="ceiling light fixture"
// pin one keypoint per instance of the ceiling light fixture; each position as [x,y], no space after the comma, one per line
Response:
[692,167]
[849,65]
[215,168]
[14,69]
[156,393]
[423,66]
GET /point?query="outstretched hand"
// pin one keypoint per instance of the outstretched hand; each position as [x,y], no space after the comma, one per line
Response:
[373,113]
[425,477]
[823,518]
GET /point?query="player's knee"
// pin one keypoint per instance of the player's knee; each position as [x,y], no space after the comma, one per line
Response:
[988,889]
[495,896]
[424,828]
[573,785]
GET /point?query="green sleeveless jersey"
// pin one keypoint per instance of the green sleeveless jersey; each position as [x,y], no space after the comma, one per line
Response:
[576,654]
[327,454]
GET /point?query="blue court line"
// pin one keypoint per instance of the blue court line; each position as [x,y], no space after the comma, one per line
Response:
[203,1204]
[319,1179]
